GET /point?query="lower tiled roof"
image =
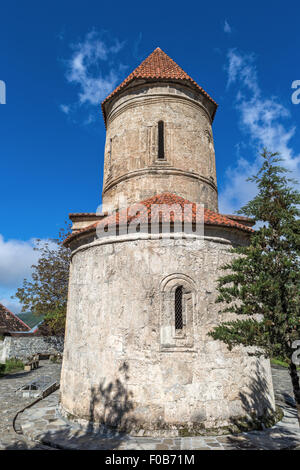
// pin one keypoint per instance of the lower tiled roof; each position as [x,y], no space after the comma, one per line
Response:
[144,212]
[10,322]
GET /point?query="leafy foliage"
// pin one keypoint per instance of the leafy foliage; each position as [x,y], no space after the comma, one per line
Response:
[46,293]
[11,365]
[262,283]
[54,323]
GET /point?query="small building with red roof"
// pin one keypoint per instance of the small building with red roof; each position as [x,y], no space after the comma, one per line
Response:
[10,323]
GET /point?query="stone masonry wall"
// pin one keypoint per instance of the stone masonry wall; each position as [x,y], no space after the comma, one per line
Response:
[1,349]
[127,366]
[131,160]
[23,347]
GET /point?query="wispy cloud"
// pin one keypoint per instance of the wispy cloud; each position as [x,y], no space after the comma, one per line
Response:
[264,120]
[12,305]
[136,46]
[93,70]
[16,259]
[65,108]
[226,27]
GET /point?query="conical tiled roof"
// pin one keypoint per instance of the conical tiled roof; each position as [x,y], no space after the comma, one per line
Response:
[158,65]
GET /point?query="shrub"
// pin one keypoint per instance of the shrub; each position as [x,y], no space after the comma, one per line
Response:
[13,364]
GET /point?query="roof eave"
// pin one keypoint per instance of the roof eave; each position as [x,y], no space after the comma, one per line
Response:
[189,83]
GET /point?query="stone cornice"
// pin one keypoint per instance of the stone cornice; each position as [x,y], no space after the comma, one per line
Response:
[147,236]
[154,170]
[135,100]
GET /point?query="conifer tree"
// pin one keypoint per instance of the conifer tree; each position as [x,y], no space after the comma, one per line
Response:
[262,284]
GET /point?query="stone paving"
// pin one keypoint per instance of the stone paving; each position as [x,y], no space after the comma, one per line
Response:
[42,425]
[10,404]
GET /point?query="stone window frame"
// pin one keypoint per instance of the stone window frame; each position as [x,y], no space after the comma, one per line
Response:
[170,338]
[161,140]
[153,145]
[179,318]
[209,136]
[109,159]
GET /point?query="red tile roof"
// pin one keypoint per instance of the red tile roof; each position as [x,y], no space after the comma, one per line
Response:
[158,65]
[241,219]
[10,322]
[76,215]
[143,215]
[79,214]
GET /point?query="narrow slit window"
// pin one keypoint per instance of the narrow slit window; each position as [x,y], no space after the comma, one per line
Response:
[161,144]
[178,308]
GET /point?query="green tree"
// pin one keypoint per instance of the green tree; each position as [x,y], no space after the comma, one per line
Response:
[46,292]
[264,278]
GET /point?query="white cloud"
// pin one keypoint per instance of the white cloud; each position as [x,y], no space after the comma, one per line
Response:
[86,68]
[262,118]
[13,305]
[237,191]
[65,108]
[16,258]
[136,45]
[242,69]
[227,28]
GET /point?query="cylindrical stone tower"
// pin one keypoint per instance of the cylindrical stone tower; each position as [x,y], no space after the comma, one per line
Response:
[138,356]
[159,136]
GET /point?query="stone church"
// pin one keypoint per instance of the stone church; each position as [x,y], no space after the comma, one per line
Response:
[138,357]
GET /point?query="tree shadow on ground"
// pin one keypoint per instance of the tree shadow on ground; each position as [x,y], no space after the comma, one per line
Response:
[108,422]
[24,373]
[15,375]
[289,399]
[262,417]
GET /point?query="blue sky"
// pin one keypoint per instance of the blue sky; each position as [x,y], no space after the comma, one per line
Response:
[60,59]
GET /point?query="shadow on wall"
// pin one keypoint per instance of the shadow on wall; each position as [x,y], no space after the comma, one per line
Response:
[262,416]
[115,403]
[256,405]
[257,402]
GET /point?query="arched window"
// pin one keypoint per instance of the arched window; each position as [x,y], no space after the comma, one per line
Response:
[178,308]
[177,312]
[161,143]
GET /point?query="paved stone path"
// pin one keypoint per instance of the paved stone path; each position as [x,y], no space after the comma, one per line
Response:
[42,424]
[10,404]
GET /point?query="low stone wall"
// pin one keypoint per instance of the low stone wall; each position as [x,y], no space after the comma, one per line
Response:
[1,349]
[24,347]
